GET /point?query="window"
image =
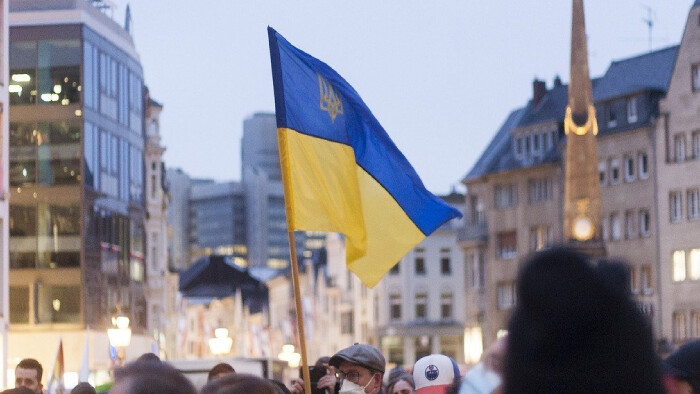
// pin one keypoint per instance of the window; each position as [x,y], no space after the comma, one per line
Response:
[445,265]
[693,203]
[678,258]
[601,173]
[615,227]
[540,237]
[695,71]
[629,168]
[679,148]
[676,206]
[694,264]
[19,304]
[647,285]
[614,172]
[696,145]
[420,266]
[58,304]
[476,270]
[421,305]
[477,210]
[395,306]
[695,324]
[612,116]
[629,225]
[631,110]
[539,189]
[644,223]
[506,196]
[507,245]
[506,295]
[519,146]
[346,323]
[395,269]
[446,305]
[634,280]
[680,333]
[643,163]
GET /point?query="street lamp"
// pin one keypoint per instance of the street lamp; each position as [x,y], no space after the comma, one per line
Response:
[120,334]
[292,358]
[221,343]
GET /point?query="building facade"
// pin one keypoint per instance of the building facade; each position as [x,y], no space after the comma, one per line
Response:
[77,243]
[420,302]
[515,190]
[156,260]
[677,160]
[217,220]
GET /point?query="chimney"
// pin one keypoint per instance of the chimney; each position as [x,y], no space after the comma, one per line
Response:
[557,81]
[539,89]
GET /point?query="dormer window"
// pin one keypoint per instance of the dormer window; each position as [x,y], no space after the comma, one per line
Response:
[631,110]
[612,117]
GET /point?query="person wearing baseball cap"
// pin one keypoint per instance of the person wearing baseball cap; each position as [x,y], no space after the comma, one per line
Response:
[434,374]
[359,369]
[683,369]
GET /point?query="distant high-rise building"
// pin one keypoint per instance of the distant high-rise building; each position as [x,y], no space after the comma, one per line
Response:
[217,220]
[259,147]
[76,169]
[178,218]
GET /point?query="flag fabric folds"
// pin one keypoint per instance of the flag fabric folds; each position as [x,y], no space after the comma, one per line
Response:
[341,171]
[55,384]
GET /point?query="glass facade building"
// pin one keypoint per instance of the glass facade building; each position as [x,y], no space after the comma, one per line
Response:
[76,176]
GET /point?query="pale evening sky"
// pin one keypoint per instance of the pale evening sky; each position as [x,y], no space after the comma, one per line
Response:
[440,76]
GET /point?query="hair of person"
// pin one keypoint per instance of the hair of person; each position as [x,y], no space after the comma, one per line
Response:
[30,363]
[321,361]
[575,329]
[240,383]
[148,377]
[218,369]
[83,388]
[149,357]
[402,377]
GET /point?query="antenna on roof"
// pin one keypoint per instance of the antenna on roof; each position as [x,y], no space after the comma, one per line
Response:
[649,21]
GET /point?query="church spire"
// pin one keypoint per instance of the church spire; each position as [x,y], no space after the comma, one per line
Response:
[582,199]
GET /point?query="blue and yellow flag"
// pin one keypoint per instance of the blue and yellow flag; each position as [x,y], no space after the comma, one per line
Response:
[341,171]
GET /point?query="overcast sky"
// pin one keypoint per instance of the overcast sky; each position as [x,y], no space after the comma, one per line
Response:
[441,76]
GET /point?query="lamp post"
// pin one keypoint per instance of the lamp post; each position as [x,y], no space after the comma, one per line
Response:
[290,356]
[221,343]
[120,335]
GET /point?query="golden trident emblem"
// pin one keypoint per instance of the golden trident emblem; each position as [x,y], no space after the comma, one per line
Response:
[330,100]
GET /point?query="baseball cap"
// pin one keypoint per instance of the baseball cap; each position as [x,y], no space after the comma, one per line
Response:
[434,374]
[363,355]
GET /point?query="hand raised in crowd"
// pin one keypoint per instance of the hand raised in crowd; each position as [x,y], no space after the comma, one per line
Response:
[328,381]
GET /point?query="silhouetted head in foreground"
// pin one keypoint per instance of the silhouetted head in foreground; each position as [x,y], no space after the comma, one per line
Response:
[148,377]
[575,330]
[240,383]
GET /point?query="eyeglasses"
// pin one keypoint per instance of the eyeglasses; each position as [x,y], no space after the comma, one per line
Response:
[352,376]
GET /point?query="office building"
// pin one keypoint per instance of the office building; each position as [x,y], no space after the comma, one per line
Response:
[77,243]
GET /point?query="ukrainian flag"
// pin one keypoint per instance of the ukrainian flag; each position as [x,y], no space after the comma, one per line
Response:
[341,171]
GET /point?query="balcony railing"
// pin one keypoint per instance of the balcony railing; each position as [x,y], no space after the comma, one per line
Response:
[473,232]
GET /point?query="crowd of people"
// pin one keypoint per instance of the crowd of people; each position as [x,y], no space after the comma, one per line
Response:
[574,329]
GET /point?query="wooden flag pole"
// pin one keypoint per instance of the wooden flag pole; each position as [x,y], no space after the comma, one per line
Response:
[300,313]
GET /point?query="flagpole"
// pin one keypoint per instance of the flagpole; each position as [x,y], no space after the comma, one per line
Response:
[300,312]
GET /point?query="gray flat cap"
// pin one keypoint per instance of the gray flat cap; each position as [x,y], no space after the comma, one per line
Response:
[362,355]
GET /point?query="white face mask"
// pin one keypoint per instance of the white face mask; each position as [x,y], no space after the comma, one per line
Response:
[349,387]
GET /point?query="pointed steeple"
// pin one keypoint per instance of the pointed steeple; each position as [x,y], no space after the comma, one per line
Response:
[580,91]
[582,198]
